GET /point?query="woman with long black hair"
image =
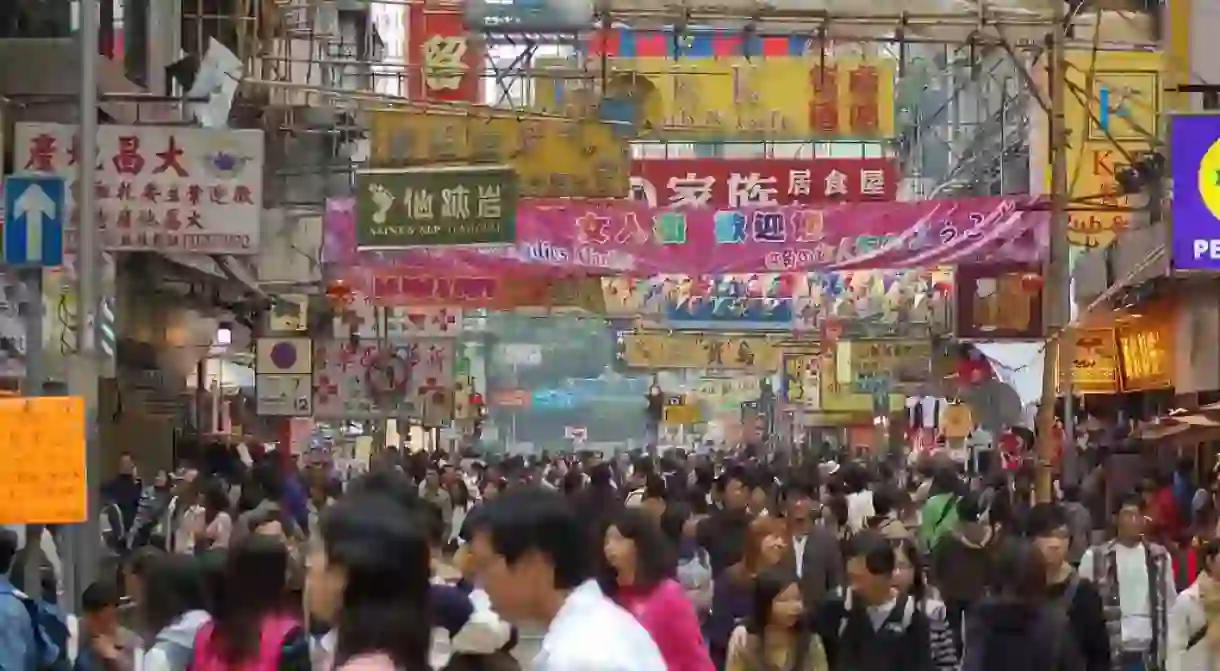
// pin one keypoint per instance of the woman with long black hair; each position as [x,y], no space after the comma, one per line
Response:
[252,623]
[368,576]
[910,577]
[637,573]
[778,634]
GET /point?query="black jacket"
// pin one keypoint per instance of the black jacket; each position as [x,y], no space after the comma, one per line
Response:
[1087,620]
[723,535]
[853,643]
[1011,636]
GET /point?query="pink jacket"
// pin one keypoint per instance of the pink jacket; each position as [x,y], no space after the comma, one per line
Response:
[669,617]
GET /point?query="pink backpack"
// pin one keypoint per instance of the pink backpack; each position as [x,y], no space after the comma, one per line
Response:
[275,629]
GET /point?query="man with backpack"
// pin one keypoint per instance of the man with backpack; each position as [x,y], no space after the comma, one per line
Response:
[1050,530]
[25,640]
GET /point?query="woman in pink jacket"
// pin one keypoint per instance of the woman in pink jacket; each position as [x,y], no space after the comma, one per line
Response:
[638,574]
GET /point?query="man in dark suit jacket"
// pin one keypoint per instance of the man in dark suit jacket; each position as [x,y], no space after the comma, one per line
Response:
[814,553]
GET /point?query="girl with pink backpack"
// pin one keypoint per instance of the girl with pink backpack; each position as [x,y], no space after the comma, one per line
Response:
[254,627]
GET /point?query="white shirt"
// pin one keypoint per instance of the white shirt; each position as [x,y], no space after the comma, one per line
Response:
[1131,568]
[591,633]
[859,509]
[798,550]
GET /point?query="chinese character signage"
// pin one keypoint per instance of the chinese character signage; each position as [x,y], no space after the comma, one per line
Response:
[436,206]
[483,290]
[710,352]
[600,237]
[1122,115]
[800,380]
[721,394]
[999,302]
[753,314]
[446,62]
[161,188]
[785,97]
[1146,350]
[1196,191]
[734,183]
[366,380]
[883,366]
[553,157]
[1095,365]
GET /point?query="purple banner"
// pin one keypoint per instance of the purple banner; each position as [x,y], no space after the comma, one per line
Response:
[622,238]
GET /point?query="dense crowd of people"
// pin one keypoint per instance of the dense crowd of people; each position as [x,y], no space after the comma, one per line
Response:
[684,562]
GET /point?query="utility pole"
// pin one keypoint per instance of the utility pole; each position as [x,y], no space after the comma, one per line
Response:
[83,540]
[1056,290]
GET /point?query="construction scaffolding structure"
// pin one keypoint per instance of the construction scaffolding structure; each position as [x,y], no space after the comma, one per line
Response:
[963,88]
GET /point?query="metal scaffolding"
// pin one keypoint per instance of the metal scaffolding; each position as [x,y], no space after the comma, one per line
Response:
[964,96]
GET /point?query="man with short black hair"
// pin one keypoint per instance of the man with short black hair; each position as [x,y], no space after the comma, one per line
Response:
[875,627]
[101,644]
[1137,586]
[723,532]
[529,550]
[1047,525]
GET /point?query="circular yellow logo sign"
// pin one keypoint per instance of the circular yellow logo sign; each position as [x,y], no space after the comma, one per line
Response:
[1209,179]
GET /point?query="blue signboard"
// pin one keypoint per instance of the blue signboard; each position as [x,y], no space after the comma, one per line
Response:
[774,314]
[35,208]
[1195,152]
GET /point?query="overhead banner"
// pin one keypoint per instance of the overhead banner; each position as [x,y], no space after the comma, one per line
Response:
[762,182]
[1196,191]
[160,188]
[796,96]
[482,290]
[861,304]
[449,64]
[609,238]
[705,352]
[999,303]
[1095,363]
[398,208]
[554,158]
[1119,113]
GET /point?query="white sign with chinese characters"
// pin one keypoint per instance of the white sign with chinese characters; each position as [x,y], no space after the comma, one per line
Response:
[422,322]
[160,188]
[283,395]
[367,381]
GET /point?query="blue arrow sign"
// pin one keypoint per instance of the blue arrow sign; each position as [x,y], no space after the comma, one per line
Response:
[34,211]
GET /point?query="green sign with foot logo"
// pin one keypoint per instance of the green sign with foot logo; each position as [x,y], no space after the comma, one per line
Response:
[436,206]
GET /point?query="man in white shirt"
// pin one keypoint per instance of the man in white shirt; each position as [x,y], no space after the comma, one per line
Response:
[1136,604]
[531,555]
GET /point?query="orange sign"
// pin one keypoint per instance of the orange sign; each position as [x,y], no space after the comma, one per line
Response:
[1095,367]
[511,398]
[1145,346]
[42,475]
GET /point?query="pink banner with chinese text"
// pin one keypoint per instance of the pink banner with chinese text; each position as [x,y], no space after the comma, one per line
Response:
[623,238]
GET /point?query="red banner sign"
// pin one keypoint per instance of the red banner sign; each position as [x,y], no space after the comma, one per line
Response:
[762,182]
[446,64]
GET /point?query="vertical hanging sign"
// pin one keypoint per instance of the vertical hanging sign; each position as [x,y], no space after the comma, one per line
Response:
[446,60]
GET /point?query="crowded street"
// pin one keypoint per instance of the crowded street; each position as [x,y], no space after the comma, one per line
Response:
[563,335]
